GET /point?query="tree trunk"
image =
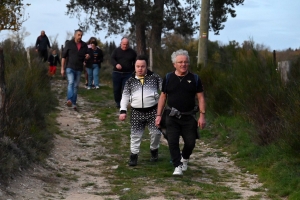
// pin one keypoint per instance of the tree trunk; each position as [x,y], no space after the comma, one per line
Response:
[2,95]
[204,27]
[157,24]
[140,28]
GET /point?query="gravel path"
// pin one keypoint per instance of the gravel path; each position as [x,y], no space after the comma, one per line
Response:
[71,173]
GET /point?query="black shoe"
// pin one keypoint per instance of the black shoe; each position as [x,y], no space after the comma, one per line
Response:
[133,160]
[154,155]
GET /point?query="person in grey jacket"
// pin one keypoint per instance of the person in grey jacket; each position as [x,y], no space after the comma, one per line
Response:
[141,91]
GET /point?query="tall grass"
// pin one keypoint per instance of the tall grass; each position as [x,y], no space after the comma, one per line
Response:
[29,101]
[255,116]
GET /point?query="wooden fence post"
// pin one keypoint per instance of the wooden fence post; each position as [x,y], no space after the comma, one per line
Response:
[28,57]
[2,94]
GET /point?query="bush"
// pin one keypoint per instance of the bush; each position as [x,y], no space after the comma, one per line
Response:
[29,100]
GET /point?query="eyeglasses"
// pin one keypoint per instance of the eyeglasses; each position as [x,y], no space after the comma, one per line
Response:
[181,62]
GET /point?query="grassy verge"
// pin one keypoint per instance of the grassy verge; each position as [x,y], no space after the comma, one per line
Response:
[278,169]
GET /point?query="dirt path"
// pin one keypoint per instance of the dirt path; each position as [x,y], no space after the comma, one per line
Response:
[71,173]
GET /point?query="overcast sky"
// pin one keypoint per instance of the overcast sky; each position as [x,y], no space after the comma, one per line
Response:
[273,23]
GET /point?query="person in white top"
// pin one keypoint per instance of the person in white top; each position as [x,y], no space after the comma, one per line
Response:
[141,91]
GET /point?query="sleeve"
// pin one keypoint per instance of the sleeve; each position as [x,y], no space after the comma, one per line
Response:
[199,86]
[37,43]
[125,97]
[48,43]
[65,51]
[113,58]
[163,87]
[100,56]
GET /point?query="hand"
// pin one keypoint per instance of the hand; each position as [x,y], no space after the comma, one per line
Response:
[118,66]
[62,71]
[122,117]
[157,121]
[201,121]
[87,56]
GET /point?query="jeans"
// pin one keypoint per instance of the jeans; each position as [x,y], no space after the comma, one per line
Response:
[119,79]
[93,75]
[186,127]
[73,77]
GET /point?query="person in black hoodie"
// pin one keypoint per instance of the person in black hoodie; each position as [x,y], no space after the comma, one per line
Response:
[42,42]
[93,65]
[122,59]
[76,51]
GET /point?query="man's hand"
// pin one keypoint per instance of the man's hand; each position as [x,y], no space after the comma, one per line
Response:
[122,117]
[62,71]
[87,56]
[201,121]
[157,121]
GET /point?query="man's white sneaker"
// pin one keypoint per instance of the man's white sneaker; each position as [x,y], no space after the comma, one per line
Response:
[178,171]
[184,164]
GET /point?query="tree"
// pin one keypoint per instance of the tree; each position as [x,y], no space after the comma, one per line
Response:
[12,14]
[139,16]
[219,11]
[156,17]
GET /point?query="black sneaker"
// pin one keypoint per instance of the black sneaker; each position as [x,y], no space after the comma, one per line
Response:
[154,155]
[133,160]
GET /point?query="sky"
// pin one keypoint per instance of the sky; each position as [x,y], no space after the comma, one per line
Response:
[272,23]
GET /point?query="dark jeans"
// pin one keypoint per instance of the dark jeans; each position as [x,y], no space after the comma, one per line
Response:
[186,127]
[119,79]
[43,55]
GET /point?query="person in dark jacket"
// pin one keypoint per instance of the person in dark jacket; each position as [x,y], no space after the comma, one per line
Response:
[42,42]
[76,51]
[86,76]
[53,60]
[94,64]
[122,59]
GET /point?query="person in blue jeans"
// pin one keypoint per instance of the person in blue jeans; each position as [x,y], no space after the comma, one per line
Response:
[93,65]
[76,51]
[123,60]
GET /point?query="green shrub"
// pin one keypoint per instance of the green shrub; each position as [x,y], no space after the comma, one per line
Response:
[29,100]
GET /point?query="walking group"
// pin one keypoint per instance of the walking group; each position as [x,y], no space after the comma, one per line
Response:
[151,97]
[77,56]
[171,103]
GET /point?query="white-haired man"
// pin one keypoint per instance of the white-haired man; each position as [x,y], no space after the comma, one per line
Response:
[179,89]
